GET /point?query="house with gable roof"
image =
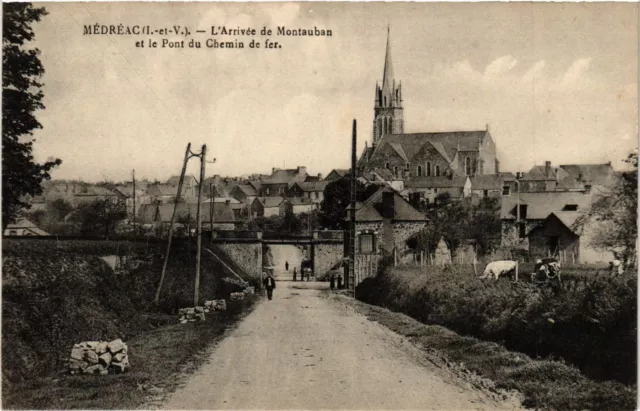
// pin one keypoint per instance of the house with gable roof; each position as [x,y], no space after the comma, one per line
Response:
[546,225]
[311,190]
[279,182]
[384,223]
[268,206]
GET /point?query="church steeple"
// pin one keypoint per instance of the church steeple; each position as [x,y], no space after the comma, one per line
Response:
[388,112]
[387,76]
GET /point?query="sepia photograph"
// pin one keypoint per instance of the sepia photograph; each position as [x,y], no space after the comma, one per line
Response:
[320,205]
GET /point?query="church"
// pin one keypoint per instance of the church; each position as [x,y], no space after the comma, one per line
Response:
[410,155]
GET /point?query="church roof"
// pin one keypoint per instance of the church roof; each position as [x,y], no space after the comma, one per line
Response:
[447,143]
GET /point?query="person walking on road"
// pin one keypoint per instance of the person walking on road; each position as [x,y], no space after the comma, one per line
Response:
[295,274]
[286,266]
[269,283]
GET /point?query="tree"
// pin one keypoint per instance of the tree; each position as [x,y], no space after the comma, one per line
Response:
[614,215]
[459,221]
[21,97]
[99,217]
[337,195]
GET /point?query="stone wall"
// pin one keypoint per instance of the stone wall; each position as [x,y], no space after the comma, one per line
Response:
[246,255]
[326,256]
[402,231]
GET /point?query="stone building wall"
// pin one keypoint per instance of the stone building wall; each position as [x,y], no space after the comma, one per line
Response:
[326,256]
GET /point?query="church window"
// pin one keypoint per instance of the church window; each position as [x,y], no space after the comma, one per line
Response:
[419,171]
[385,101]
[437,171]
[395,171]
[384,129]
[390,131]
[467,166]
[428,168]
[379,125]
[386,165]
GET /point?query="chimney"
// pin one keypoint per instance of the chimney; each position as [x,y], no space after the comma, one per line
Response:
[274,169]
[319,176]
[388,204]
[302,169]
[547,168]
[227,202]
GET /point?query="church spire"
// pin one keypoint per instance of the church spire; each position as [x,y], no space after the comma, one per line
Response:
[387,78]
[387,109]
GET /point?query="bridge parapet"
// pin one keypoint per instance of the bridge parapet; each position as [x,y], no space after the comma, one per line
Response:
[237,235]
[328,235]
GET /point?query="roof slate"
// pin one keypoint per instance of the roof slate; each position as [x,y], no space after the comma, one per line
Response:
[372,208]
[541,204]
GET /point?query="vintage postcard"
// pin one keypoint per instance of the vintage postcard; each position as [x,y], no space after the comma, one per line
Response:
[319,205]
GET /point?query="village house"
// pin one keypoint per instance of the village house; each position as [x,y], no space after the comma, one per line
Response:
[492,185]
[311,178]
[569,177]
[336,174]
[381,177]
[246,193]
[426,190]
[76,193]
[545,226]
[24,228]
[159,215]
[268,206]
[141,197]
[279,182]
[313,191]
[189,185]
[384,223]
[299,205]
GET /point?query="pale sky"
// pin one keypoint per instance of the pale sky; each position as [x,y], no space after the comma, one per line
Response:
[554,82]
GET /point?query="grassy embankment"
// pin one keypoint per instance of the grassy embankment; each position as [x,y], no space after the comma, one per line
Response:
[591,326]
[55,297]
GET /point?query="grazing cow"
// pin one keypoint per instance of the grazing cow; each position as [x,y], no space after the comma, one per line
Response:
[546,268]
[496,269]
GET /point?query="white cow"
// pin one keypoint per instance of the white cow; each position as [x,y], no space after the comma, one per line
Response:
[497,268]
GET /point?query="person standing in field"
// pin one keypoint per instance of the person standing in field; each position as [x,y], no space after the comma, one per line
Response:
[295,274]
[286,266]
[269,283]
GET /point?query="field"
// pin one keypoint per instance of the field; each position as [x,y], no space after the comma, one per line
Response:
[590,323]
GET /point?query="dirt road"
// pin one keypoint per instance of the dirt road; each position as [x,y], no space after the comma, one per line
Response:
[304,351]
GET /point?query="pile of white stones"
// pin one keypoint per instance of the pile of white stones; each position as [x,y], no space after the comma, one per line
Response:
[215,305]
[237,296]
[249,290]
[99,357]
[191,315]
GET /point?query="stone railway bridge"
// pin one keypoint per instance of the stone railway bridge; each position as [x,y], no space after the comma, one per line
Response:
[246,248]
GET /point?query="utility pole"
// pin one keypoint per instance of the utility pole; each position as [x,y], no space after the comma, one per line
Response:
[173,218]
[211,207]
[203,155]
[352,226]
[134,205]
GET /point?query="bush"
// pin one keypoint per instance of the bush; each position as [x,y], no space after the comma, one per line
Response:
[592,326]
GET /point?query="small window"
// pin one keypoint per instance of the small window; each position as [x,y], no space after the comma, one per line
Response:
[435,190]
[13,232]
[366,244]
[467,166]
[570,207]
[437,171]
[522,230]
[419,171]
[523,211]
[407,166]
[485,193]
[386,165]
[267,191]
[395,171]
[506,190]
